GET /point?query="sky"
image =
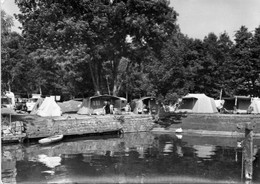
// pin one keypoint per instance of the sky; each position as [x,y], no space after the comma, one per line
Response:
[197,18]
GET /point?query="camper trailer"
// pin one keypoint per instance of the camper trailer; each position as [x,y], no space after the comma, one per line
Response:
[95,104]
[145,105]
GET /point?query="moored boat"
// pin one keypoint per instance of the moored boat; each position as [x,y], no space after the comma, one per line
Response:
[50,139]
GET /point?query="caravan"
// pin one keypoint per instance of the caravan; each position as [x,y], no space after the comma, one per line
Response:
[95,104]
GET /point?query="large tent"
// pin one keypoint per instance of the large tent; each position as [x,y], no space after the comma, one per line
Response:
[49,108]
[148,103]
[95,104]
[237,104]
[197,103]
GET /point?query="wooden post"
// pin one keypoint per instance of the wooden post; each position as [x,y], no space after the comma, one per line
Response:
[248,151]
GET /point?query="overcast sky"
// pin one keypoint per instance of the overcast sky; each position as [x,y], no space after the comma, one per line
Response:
[197,18]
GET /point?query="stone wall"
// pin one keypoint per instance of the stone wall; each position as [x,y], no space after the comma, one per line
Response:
[218,122]
[137,123]
[71,126]
[38,127]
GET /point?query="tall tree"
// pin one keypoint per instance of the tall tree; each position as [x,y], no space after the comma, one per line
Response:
[98,29]
[255,62]
[12,55]
[243,72]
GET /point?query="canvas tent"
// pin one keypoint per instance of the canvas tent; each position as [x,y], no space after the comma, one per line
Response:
[49,108]
[95,104]
[37,105]
[71,106]
[255,105]
[197,103]
[143,103]
[237,104]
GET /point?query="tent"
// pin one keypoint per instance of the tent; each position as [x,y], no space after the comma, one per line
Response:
[146,105]
[197,103]
[37,105]
[237,104]
[95,104]
[49,108]
[71,106]
[255,105]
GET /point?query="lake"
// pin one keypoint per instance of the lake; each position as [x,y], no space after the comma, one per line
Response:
[129,158]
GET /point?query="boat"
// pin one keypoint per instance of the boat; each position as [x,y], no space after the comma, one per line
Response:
[51,139]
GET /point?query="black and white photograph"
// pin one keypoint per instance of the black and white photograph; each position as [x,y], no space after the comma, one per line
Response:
[130,91]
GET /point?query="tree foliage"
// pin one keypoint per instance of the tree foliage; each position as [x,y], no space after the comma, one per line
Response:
[129,48]
[95,32]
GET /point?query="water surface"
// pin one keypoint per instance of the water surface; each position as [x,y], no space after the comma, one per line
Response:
[131,158]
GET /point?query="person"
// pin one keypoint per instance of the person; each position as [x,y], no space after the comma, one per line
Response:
[145,109]
[111,108]
[106,108]
[250,110]
[127,108]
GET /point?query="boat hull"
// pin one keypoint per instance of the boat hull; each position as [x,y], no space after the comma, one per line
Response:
[50,139]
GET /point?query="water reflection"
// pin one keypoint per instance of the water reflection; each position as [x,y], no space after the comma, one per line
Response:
[133,158]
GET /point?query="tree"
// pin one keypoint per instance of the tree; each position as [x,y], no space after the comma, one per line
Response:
[255,62]
[12,54]
[95,31]
[243,71]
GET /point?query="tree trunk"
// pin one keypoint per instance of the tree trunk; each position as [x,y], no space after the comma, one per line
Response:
[9,86]
[40,89]
[94,77]
[115,77]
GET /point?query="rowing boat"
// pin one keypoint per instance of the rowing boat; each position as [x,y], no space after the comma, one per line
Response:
[51,139]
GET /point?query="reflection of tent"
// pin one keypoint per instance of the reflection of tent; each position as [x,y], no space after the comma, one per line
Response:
[95,104]
[71,106]
[204,151]
[49,108]
[238,103]
[197,103]
[149,102]
[255,106]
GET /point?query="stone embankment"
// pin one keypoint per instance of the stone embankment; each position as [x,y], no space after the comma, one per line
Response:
[32,126]
[213,124]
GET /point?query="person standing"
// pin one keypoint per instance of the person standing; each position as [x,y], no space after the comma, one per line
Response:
[106,108]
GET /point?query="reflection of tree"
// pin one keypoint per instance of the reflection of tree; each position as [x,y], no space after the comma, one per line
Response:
[30,171]
[143,160]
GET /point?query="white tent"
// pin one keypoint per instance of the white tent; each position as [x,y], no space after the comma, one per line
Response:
[255,106]
[49,108]
[197,103]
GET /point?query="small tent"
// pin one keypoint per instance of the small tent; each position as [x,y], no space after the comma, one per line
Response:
[49,108]
[197,103]
[95,104]
[255,105]
[237,104]
[145,105]
[71,106]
